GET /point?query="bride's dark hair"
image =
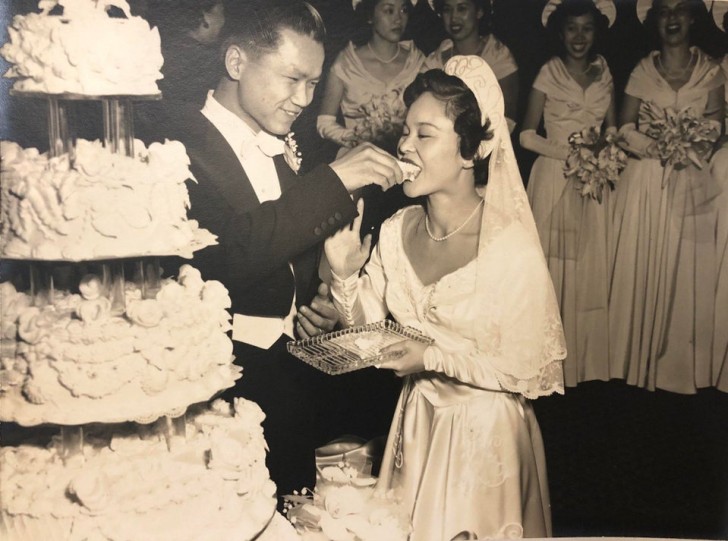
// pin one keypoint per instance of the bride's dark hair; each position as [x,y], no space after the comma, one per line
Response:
[462,108]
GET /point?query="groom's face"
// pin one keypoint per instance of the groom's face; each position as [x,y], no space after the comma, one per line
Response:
[275,87]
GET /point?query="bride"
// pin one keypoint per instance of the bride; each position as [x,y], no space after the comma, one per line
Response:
[464,452]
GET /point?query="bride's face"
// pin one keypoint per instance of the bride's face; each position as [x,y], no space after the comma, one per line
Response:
[429,140]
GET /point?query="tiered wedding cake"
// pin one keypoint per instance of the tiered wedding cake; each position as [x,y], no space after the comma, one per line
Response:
[105,366]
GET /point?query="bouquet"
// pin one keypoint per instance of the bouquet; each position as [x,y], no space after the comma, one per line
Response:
[594,162]
[381,120]
[346,507]
[681,137]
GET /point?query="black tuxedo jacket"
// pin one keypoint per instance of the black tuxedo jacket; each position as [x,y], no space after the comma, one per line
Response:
[256,241]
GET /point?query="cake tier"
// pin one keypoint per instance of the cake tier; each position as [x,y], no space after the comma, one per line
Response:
[100,205]
[130,484]
[83,51]
[73,362]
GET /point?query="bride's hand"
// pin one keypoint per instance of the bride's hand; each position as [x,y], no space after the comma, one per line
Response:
[345,251]
[405,357]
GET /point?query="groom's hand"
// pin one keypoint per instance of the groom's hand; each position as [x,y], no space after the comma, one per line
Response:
[319,317]
[367,164]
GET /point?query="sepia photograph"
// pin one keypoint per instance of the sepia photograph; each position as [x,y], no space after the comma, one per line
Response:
[363,270]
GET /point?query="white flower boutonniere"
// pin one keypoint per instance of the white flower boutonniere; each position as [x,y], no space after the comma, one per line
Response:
[291,153]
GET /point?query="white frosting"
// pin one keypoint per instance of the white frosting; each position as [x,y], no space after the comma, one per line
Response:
[103,205]
[73,362]
[130,485]
[83,51]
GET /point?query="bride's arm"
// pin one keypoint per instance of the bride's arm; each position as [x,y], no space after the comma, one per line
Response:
[358,299]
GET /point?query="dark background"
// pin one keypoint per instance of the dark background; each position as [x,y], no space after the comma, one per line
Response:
[622,461]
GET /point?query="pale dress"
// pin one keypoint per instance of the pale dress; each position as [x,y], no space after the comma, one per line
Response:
[472,454]
[364,93]
[662,296]
[574,231]
[495,53]
[720,332]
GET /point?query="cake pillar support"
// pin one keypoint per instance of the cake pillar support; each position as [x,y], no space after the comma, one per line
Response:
[171,428]
[119,125]
[41,284]
[149,276]
[60,138]
[72,441]
[114,285]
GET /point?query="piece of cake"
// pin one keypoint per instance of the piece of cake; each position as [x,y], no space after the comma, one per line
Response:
[98,205]
[74,46]
[410,171]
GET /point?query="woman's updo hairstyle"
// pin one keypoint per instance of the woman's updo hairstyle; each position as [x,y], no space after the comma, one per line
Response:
[576,8]
[462,108]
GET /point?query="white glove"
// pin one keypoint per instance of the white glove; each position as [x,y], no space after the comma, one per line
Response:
[328,128]
[637,143]
[532,141]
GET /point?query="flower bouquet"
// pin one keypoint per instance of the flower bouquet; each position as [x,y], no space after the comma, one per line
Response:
[345,506]
[594,161]
[681,137]
[381,120]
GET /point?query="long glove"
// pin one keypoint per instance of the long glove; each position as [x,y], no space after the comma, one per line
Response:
[636,142]
[531,140]
[328,128]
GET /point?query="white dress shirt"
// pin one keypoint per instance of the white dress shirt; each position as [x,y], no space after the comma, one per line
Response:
[255,153]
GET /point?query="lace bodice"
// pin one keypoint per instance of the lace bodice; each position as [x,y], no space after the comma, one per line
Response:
[449,311]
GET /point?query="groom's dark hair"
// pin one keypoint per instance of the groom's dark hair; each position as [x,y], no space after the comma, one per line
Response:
[255,25]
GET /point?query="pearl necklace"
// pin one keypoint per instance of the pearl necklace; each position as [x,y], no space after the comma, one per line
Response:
[377,56]
[456,230]
[674,74]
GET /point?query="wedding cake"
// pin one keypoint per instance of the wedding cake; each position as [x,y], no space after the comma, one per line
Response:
[74,46]
[107,367]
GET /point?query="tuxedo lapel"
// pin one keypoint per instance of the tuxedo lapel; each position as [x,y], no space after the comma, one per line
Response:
[286,176]
[221,167]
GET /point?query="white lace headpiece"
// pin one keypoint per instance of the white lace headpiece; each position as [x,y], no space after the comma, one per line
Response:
[506,205]
[607,8]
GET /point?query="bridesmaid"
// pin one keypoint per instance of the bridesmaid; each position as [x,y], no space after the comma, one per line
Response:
[365,84]
[467,22]
[573,91]
[719,170]
[663,287]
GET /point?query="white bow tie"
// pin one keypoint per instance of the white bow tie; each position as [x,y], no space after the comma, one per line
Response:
[268,144]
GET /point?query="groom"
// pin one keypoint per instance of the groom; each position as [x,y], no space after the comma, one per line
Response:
[270,221]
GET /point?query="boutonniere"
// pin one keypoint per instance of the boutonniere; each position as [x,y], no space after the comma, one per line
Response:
[291,153]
